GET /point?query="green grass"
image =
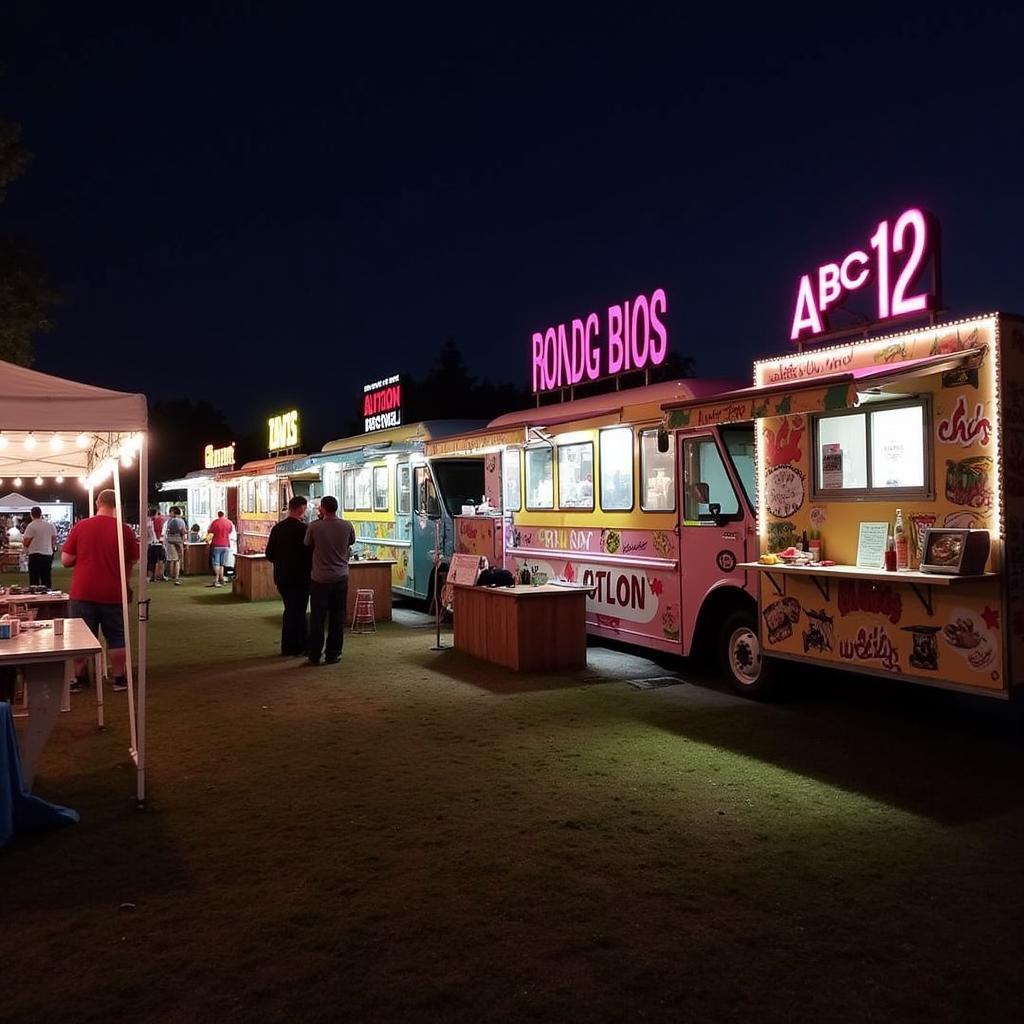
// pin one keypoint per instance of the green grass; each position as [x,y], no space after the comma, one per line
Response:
[412,835]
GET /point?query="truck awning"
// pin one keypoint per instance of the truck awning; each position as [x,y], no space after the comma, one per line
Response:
[825,393]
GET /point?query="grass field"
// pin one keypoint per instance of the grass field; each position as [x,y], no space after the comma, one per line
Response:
[414,836]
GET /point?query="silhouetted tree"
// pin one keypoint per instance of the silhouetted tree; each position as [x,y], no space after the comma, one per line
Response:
[25,296]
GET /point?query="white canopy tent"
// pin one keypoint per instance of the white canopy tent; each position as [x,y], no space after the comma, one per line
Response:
[52,427]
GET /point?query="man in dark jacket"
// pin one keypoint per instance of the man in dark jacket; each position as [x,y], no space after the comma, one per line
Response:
[292,562]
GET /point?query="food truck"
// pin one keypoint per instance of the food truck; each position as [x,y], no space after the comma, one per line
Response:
[594,491]
[926,425]
[401,506]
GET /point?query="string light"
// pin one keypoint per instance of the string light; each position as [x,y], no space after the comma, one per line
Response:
[3,440]
[82,441]
[39,481]
[60,477]
[55,443]
[30,442]
[17,481]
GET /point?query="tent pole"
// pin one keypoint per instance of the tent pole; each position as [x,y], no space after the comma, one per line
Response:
[119,518]
[140,707]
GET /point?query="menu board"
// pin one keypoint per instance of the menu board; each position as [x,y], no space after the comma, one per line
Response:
[464,570]
[871,545]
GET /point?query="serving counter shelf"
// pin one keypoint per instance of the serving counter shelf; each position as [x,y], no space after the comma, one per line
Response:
[822,575]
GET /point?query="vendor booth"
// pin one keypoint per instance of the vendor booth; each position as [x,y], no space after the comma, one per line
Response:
[55,428]
[916,439]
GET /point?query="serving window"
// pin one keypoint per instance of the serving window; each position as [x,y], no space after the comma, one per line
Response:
[364,489]
[616,464]
[540,478]
[880,451]
[380,488]
[348,501]
[404,491]
[511,480]
[657,473]
[576,475]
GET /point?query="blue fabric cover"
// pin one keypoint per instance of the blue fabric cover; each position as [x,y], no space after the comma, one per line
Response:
[21,811]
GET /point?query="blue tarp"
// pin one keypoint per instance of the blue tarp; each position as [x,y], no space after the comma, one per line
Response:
[21,811]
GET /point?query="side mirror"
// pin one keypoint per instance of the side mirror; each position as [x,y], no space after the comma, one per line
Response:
[663,439]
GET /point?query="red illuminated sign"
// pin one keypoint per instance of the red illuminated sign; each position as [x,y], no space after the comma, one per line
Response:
[635,338]
[898,256]
[382,404]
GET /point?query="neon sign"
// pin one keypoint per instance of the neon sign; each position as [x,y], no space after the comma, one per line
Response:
[218,458]
[915,233]
[636,339]
[284,431]
[382,404]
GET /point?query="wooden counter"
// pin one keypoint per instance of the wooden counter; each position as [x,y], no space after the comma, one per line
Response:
[370,574]
[197,558]
[526,629]
[47,606]
[254,578]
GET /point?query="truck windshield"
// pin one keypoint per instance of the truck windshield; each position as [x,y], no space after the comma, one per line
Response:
[460,481]
[739,443]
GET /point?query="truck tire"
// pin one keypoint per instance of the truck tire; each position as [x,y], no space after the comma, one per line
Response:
[740,656]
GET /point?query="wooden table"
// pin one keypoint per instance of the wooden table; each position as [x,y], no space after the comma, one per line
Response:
[254,578]
[526,629]
[371,574]
[197,558]
[48,606]
[43,658]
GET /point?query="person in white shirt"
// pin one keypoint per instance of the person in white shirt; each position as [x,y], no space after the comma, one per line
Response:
[40,540]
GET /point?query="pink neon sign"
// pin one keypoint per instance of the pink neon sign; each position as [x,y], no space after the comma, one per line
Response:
[898,257]
[635,338]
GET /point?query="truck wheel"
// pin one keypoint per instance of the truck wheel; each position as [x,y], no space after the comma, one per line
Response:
[740,656]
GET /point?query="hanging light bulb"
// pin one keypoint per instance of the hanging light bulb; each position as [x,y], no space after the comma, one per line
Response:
[82,441]
[17,481]
[30,442]
[3,439]
[126,459]
[84,481]
[39,481]
[59,478]
[56,443]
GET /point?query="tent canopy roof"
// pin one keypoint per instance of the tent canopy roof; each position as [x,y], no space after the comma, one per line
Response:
[41,418]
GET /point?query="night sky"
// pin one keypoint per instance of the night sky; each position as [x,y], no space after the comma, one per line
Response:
[269,208]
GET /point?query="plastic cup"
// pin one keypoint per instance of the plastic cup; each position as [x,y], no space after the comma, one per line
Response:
[58,627]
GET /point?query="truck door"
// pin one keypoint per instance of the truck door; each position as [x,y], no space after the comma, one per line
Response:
[717,525]
[406,574]
[425,527]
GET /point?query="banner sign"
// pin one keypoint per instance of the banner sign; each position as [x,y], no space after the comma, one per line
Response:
[284,431]
[635,338]
[218,458]
[382,404]
[894,263]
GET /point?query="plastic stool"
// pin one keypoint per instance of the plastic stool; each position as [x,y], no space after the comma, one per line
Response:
[363,619]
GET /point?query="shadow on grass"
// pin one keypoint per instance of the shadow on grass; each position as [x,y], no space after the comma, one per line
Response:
[116,853]
[949,757]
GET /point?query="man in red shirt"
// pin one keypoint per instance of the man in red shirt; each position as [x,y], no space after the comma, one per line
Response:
[91,548]
[220,544]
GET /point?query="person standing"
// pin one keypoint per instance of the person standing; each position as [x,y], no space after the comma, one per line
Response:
[40,540]
[292,560]
[91,551]
[220,545]
[175,532]
[331,539]
[155,554]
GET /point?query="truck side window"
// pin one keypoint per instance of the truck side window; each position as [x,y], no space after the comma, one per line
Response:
[404,497]
[657,474]
[426,494]
[707,482]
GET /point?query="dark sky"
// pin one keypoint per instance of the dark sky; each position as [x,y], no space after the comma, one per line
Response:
[269,205]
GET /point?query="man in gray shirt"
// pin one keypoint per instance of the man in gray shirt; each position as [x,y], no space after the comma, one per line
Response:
[331,539]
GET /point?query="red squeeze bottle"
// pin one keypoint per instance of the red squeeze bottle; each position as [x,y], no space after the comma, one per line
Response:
[890,555]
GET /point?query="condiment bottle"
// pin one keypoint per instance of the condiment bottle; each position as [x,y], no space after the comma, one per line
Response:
[890,555]
[902,543]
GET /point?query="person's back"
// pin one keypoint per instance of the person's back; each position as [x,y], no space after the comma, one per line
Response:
[331,539]
[40,537]
[97,568]
[220,530]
